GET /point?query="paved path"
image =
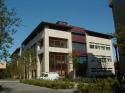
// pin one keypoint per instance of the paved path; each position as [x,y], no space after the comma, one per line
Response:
[16,87]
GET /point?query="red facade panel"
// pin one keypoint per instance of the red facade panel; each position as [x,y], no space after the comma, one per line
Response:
[78,38]
[78,29]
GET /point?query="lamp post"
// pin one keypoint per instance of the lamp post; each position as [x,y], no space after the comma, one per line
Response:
[117,60]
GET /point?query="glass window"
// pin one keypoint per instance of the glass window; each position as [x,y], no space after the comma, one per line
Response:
[57,42]
[82,59]
[107,47]
[79,46]
[97,46]
[57,62]
[91,45]
[51,42]
[109,59]
[103,59]
[77,33]
[102,47]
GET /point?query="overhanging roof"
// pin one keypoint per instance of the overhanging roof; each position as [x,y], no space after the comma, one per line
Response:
[97,34]
[41,26]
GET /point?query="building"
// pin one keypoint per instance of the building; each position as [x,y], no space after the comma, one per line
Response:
[55,43]
[118,9]
[2,65]
[2,69]
[99,53]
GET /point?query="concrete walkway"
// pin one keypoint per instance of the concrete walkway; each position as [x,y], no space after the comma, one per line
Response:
[7,86]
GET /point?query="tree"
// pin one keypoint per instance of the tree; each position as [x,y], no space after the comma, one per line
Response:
[119,45]
[75,60]
[8,23]
[120,35]
[22,66]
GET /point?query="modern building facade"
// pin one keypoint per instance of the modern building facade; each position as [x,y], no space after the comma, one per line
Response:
[118,9]
[99,52]
[55,43]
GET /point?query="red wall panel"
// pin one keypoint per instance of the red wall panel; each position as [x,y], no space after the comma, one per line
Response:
[78,38]
[78,29]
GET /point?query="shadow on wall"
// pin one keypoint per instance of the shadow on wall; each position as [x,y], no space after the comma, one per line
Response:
[98,67]
[81,71]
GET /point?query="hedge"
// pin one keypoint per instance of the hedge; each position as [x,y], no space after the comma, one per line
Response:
[57,84]
[99,86]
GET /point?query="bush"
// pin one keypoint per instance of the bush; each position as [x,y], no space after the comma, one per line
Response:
[87,88]
[50,84]
[99,86]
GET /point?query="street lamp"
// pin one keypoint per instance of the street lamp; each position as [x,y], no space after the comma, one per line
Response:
[117,60]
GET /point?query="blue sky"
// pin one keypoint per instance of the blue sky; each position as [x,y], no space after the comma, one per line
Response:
[90,14]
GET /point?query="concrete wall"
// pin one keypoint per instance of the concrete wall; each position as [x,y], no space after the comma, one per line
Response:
[2,65]
[93,52]
[43,65]
[57,34]
[33,41]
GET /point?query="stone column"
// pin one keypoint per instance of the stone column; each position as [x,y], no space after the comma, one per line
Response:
[38,61]
[46,53]
[70,65]
[30,71]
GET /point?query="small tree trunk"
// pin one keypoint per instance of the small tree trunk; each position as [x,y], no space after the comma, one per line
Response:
[74,74]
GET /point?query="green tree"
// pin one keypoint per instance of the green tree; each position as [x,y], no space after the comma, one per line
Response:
[119,44]
[75,61]
[22,66]
[120,35]
[8,23]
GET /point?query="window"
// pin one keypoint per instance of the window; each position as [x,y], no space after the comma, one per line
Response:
[79,46]
[58,63]
[102,47]
[103,58]
[109,59]
[91,45]
[57,42]
[97,46]
[77,33]
[82,59]
[107,47]
[51,42]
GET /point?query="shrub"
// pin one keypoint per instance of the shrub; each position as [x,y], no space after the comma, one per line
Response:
[87,88]
[50,84]
[99,86]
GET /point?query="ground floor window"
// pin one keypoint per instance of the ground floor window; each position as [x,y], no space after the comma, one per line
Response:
[58,62]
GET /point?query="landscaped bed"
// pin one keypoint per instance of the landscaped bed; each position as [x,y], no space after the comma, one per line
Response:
[56,84]
[84,85]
